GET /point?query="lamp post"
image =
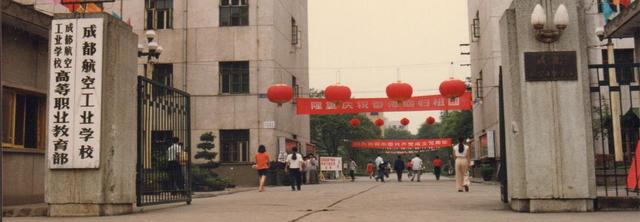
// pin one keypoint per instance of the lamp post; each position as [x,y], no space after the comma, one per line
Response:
[539,20]
[153,51]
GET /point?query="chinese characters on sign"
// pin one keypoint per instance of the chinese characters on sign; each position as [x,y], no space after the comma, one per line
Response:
[306,106]
[75,93]
[402,144]
[330,163]
[550,66]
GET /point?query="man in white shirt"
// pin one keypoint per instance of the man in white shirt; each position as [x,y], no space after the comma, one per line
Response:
[378,161]
[174,153]
[417,167]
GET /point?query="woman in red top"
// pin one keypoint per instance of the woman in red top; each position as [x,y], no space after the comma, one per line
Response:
[437,167]
[370,169]
[262,165]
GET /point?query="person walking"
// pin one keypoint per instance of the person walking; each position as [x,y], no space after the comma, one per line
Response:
[294,164]
[417,167]
[303,169]
[461,153]
[437,167]
[174,158]
[398,166]
[409,168]
[382,168]
[313,169]
[353,166]
[370,169]
[262,166]
[379,161]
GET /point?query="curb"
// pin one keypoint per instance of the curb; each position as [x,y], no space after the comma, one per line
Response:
[220,193]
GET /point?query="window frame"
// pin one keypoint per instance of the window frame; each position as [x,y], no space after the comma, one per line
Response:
[226,19]
[155,11]
[295,32]
[41,124]
[230,72]
[475,27]
[240,140]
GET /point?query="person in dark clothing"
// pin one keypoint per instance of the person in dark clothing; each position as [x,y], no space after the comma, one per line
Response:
[382,170]
[437,167]
[398,166]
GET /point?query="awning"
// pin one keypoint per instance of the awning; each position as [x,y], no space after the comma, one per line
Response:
[625,24]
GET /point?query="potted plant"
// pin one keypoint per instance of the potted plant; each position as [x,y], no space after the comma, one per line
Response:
[486,170]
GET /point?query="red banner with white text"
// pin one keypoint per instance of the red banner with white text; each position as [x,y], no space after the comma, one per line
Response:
[402,144]
[306,106]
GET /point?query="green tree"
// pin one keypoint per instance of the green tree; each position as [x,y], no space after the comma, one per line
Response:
[204,149]
[456,124]
[399,134]
[427,131]
[329,132]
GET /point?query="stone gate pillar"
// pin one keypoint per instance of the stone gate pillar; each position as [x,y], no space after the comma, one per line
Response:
[547,111]
[91,154]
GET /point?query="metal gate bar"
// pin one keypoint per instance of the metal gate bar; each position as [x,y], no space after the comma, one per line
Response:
[164,144]
[611,174]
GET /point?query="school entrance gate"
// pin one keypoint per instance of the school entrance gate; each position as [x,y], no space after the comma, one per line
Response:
[163,170]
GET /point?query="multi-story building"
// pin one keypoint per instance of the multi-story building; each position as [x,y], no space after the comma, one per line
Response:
[486,63]
[226,54]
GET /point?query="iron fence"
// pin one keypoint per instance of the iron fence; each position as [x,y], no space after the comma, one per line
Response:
[164,145]
[616,128]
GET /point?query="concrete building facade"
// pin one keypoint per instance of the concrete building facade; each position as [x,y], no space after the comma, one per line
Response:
[25,64]
[226,54]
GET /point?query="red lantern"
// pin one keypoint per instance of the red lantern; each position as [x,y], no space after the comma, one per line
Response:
[280,93]
[355,122]
[337,93]
[399,91]
[452,88]
[404,121]
[379,122]
[431,120]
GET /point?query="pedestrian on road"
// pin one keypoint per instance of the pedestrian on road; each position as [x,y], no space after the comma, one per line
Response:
[398,166]
[437,167]
[379,161]
[382,170]
[461,154]
[294,164]
[370,169]
[303,169]
[313,169]
[262,166]
[417,167]
[353,166]
[175,158]
[409,168]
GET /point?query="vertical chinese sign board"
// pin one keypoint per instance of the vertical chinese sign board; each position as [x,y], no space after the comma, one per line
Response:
[75,90]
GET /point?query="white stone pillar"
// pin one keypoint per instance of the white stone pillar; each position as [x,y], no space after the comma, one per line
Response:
[110,188]
[548,123]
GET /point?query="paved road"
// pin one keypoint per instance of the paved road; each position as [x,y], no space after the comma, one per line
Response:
[363,200]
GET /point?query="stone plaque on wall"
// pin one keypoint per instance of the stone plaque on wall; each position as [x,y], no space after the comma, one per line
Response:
[550,66]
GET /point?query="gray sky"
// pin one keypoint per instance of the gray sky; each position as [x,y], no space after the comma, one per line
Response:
[368,40]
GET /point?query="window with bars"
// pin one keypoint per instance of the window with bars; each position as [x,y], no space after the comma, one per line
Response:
[479,87]
[234,146]
[295,34]
[159,14]
[234,12]
[23,119]
[475,26]
[234,77]
[625,75]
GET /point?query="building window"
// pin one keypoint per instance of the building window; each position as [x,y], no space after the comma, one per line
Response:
[159,14]
[624,75]
[374,114]
[295,34]
[475,27]
[296,87]
[234,12]
[234,77]
[479,87]
[234,145]
[23,119]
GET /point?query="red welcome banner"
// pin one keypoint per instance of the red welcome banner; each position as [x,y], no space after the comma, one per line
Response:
[402,144]
[306,106]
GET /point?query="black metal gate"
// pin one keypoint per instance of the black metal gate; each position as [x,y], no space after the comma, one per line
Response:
[164,144]
[616,129]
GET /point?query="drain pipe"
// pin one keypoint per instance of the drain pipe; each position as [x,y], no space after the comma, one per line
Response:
[186,46]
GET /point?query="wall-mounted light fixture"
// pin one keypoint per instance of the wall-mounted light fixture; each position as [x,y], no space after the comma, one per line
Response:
[539,20]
